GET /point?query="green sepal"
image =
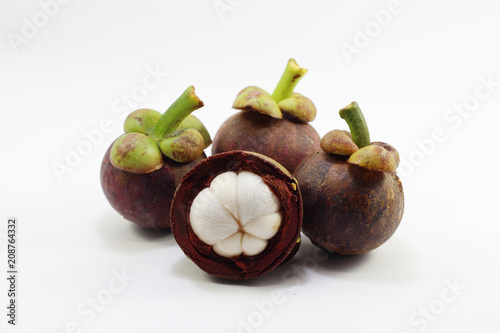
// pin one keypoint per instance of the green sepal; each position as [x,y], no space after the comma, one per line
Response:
[136,153]
[187,146]
[375,158]
[256,99]
[193,122]
[142,121]
[299,107]
[179,135]
[282,100]
[338,142]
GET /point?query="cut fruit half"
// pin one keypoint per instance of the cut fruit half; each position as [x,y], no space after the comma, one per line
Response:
[237,215]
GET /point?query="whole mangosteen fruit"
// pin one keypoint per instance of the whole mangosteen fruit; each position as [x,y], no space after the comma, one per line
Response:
[237,215]
[142,168]
[353,199]
[274,125]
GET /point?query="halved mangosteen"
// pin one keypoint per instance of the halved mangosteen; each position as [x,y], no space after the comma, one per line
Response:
[237,215]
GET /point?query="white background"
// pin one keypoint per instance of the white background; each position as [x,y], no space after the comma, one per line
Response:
[410,74]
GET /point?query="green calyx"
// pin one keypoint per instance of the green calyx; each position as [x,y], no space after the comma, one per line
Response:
[149,136]
[187,146]
[283,99]
[375,156]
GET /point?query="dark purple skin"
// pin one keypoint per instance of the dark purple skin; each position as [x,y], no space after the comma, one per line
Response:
[143,199]
[348,209]
[288,141]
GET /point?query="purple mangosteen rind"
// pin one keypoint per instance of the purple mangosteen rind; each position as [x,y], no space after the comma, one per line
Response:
[353,199]
[348,209]
[143,199]
[287,141]
[281,246]
[142,168]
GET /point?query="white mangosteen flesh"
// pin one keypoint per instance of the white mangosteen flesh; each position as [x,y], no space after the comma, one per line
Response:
[237,214]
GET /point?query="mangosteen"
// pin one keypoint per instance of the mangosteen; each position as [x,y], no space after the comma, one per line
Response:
[237,215]
[142,168]
[274,125]
[353,199]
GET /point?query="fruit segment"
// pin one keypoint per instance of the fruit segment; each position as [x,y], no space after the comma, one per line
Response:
[210,220]
[236,214]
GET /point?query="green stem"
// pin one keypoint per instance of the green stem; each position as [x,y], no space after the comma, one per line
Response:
[292,75]
[177,112]
[357,124]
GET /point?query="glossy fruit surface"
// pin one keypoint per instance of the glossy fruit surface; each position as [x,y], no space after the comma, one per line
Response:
[348,209]
[288,141]
[143,199]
